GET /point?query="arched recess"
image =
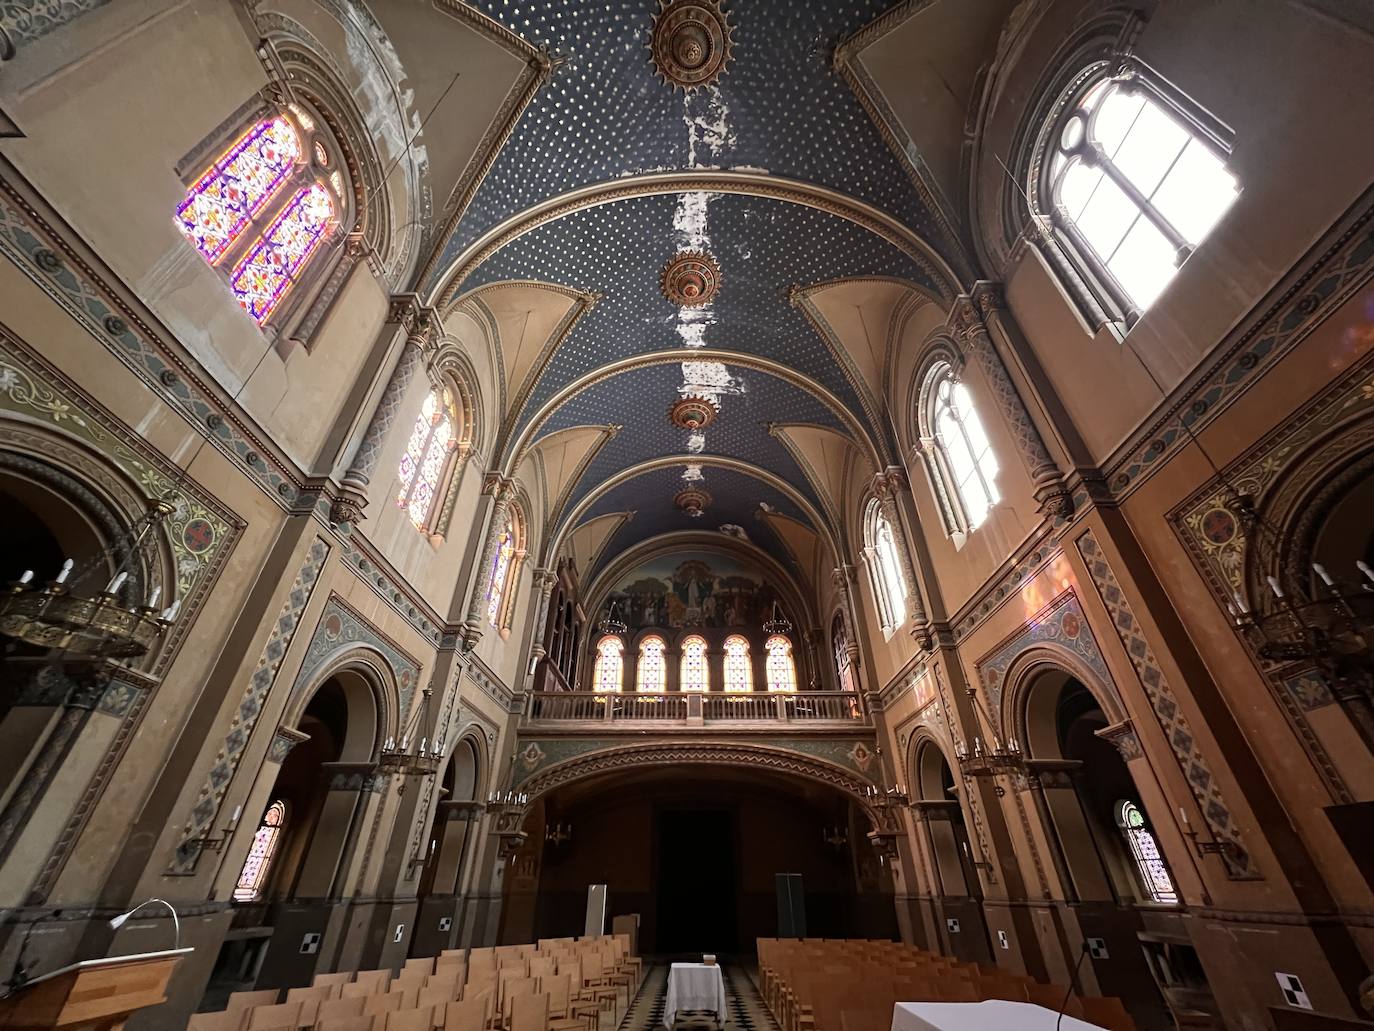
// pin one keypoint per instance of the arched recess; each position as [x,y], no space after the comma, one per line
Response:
[711,753]
[938,806]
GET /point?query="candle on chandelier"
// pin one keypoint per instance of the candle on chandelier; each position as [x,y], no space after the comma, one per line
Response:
[1320,570]
[1274,586]
[66,571]
[1363,567]
[115,584]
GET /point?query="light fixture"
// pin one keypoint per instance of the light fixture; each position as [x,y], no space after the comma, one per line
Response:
[611,623]
[777,623]
[408,758]
[57,616]
[835,837]
[558,834]
[999,758]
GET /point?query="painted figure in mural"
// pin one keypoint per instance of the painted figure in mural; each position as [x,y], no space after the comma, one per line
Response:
[704,590]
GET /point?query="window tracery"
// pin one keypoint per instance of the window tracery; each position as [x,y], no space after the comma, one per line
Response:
[781,669]
[652,675]
[1150,865]
[884,567]
[610,664]
[1135,179]
[959,457]
[502,565]
[258,864]
[693,674]
[739,673]
[426,456]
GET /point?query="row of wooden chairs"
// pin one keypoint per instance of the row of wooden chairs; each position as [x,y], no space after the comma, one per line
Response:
[848,985]
[560,984]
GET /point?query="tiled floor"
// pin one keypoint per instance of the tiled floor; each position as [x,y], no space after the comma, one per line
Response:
[746,1009]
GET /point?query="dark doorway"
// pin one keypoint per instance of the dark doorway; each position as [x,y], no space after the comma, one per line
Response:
[697,887]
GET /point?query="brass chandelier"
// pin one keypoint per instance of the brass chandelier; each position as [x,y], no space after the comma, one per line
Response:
[409,757]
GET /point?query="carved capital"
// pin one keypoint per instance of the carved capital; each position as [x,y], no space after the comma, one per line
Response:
[346,510]
[965,321]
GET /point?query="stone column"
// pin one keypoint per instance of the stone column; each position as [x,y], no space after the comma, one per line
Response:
[966,323]
[501,491]
[887,486]
[544,582]
[419,325]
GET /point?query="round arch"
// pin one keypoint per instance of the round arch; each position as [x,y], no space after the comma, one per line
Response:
[1027,708]
[372,695]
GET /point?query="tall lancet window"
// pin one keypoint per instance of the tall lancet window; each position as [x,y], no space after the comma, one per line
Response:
[253,876]
[782,671]
[844,666]
[884,567]
[610,664]
[739,672]
[652,675]
[504,563]
[970,462]
[425,458]
[266,207]
[693,674]
[1154,874]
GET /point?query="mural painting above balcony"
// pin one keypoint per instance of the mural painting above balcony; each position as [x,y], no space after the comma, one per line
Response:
[689,588]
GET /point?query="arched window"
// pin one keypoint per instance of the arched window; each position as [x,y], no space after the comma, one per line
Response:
[959,455]
[422,466]
[253,876]
[844,667]
[693,674]
[652,675]
[610,664]
[263,210]
[1135,179]
[739,673]
[1154,874]
[505,563]
[782,671]
[884,567]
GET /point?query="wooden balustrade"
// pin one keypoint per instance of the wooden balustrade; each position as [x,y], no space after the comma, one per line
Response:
[690,707]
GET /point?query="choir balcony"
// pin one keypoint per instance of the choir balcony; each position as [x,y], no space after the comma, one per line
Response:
[717,710]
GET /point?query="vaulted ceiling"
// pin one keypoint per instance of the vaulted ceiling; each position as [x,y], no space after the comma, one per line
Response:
[823,234]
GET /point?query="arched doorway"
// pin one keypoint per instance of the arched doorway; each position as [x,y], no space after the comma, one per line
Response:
[695,851]
[448,850]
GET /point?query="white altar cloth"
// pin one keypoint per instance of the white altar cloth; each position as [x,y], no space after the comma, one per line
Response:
[993,1014]
[694,986]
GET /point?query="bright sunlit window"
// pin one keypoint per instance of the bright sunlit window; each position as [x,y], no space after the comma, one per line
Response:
[971,463]
[884,567]
[782,671]
[1136,188]
[653,670]
[693,674]
[739,674]
[1154,874]
[610,664]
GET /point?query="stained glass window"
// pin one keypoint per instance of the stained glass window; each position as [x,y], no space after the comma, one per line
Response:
[1154,873]
[844,668]
[264,275]
[1135,188]
[739,673]
[253,876]
[693,674]
[422,465]
[610,664]
[222,203]
[500,570]
[782,671]
[653,670]
[972,464]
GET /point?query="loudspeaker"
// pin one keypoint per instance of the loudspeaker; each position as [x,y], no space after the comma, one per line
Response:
[596,911]
[791,906]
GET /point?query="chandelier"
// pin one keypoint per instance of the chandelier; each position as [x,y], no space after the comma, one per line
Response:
[611,623]
[777,623]
[998,759]
[406,757]
[56,615]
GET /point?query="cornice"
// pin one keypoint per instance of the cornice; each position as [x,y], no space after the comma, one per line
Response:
[446,289]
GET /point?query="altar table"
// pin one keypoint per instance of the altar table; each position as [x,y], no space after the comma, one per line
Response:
[981,1016]
[694,986]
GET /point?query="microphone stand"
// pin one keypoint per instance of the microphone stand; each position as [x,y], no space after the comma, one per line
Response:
[118,921]
[1073,986]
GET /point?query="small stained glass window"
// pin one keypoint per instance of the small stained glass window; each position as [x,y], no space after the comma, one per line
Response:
[739,673]
[253,876]
[693,672]
[1154,873]
[222,203]
[500,570]
[653,670]
[268,271]
[610,664]
[426,453]
[782,671]
[844,668]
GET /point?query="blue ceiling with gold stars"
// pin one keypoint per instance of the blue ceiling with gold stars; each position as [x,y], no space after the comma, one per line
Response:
[606,116]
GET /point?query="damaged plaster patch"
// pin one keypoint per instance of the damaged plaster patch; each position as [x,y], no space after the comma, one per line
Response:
[708,127]
[692,472]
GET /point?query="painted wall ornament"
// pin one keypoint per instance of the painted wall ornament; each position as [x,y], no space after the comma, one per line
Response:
[690,42]
[690,279]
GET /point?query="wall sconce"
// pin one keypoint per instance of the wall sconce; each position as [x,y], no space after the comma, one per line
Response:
[835,837]
[558,834]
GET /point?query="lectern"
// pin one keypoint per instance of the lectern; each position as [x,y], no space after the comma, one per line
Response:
[94,995]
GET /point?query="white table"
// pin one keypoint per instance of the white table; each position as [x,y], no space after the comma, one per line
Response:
[694,986]
[993,1015]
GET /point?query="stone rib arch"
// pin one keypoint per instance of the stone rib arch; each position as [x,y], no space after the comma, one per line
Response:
[373,669]
[1027,669]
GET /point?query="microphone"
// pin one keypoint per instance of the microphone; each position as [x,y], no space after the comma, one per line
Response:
[118,922]
[1073,986]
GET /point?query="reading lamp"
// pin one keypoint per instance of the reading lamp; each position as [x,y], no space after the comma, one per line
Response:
[118,921]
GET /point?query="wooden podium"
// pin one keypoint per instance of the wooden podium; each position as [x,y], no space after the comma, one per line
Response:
[95,995]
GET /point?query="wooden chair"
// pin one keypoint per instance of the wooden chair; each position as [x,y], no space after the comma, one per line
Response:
[437,996]
[345,1024]
[468,1015]
[340,1009]
[223,1020]
[530,1013]
[409,991]
[336,980]
[381,1005]
[282,1016]
[247,1000]
[1107,1012]
[419,1019]
[371,980]
[424,964]
[514,988]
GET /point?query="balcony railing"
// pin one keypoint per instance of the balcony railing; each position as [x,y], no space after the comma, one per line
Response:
[690,708]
